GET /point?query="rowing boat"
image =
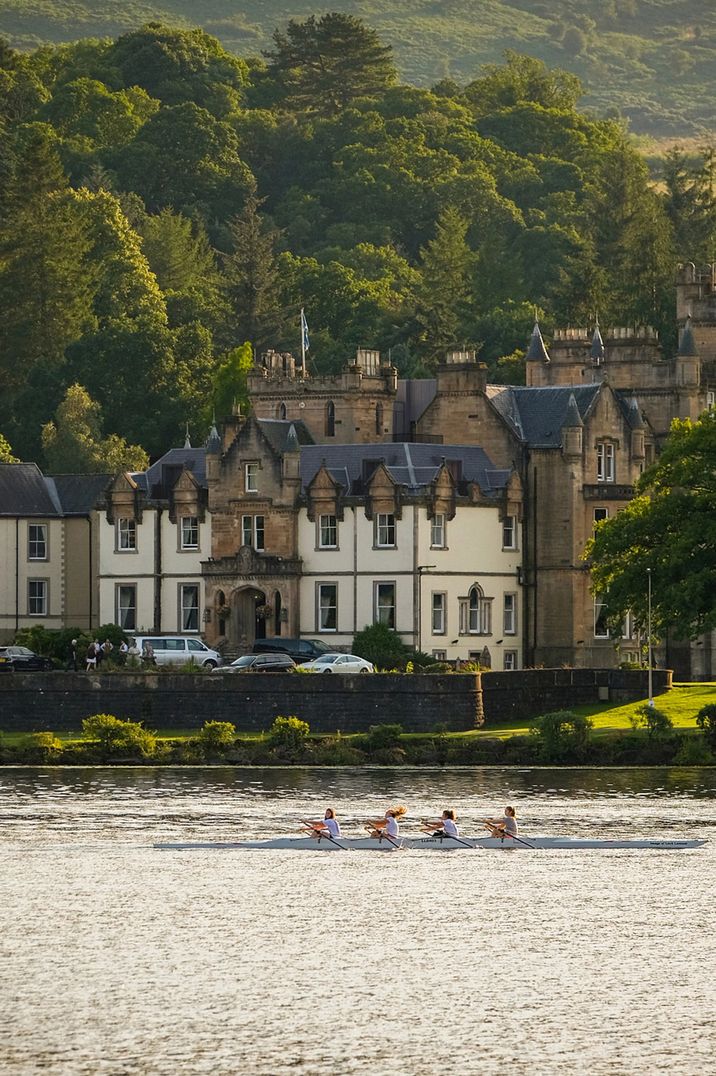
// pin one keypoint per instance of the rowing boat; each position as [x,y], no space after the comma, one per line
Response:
[321,844]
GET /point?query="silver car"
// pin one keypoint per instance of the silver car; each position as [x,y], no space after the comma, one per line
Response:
[338,663]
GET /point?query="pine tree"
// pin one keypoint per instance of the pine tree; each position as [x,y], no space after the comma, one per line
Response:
[444,289]
[252,277]
[325,64]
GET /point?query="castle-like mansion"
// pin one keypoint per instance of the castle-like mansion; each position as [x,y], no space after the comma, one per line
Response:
[453,510]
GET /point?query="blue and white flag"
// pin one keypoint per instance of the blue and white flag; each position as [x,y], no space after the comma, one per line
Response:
[305,342]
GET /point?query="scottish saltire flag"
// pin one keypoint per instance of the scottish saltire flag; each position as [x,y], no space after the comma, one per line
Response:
[305,341]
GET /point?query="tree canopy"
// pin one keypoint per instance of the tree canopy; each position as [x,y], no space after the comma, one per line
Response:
[668,530]
[162,201]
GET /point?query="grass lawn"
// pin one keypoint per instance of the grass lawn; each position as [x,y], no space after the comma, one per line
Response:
[681,704]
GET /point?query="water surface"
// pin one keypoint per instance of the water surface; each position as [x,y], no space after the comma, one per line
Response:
[116,958]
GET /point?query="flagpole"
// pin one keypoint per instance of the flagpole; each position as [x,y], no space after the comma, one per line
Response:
[303,343]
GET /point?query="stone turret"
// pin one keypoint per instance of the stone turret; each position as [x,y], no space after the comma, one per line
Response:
[572,431]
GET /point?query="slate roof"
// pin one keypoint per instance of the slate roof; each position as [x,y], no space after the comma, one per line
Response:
[413,466]
[25,491]
[276,431]
[687,343]
[537,415]
[79,493]
[537,352]
[159,479]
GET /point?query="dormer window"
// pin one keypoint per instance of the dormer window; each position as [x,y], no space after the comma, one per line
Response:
[606,470]
[189,532]
[251,477]
[126,536]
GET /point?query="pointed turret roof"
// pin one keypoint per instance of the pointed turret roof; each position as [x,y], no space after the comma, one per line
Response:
[597,349]
[537,352]
[187,439]
[687,344]
[572,417]
[292,440]
[213,441]
[634,414]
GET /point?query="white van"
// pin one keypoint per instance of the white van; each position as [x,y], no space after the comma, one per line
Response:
[178,650]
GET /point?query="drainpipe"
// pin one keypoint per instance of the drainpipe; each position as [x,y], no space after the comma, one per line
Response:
[17,574]
[90,609]
[158,570]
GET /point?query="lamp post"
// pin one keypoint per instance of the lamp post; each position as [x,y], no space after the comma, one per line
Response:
[420,569]
[648,630]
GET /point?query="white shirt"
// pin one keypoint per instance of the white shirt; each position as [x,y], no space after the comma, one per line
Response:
[510,824]
[449,826]
[391,826]
[332,826]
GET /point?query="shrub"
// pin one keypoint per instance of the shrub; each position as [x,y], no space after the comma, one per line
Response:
[693,751]
[289,733]
[337,753]
[43,747]
[563,736]
[706,721]
[118,738]
[381,645]
[656,722]
[216,737]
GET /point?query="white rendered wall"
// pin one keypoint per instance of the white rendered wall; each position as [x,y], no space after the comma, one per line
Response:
[473,555]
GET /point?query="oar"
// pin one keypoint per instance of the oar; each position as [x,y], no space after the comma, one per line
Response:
[322,834]
[450,837]
[387,836]
[505,833]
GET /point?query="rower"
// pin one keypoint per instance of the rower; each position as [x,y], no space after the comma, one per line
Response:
[387,826]
[327,826]
[505,826]
[446,825]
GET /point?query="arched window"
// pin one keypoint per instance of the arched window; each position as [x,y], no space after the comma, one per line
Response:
[277,613]
[281,411]
[330,419]
[379,418]
[476,613]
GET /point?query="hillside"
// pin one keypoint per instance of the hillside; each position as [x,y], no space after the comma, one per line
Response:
[648,59]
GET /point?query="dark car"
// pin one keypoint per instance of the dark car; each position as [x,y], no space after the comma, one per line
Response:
[298,649]
[259,663]
[20,659]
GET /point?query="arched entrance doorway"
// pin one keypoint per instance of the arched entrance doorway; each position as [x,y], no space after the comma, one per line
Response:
[249,619]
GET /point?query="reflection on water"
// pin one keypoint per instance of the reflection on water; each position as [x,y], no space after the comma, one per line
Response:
[116,958]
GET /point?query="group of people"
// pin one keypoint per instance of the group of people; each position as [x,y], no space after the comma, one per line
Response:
[388,827]
[98,652]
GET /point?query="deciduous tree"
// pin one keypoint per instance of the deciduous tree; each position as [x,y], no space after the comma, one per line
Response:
[668,529]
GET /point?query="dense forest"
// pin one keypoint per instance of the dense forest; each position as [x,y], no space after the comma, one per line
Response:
[166,207]
[650,60]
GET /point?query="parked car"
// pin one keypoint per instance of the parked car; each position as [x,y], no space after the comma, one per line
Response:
[20,659]
[299,649]
[338,663]
[178,650]
[259,663]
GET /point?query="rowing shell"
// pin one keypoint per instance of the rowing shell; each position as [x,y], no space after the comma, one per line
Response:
[314,844]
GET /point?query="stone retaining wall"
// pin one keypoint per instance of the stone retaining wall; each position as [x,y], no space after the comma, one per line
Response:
[59,701]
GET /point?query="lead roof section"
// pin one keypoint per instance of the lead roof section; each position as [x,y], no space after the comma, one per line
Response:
[413,466]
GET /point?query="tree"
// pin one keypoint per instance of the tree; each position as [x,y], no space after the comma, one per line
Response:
[74,442]
[229,380]
[6,455]
[669,529]
[325,64]
[445,286]
[252,277]
[382,646]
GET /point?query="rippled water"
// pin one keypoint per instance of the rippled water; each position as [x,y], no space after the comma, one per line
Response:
[116,958]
